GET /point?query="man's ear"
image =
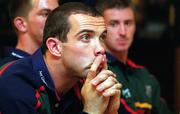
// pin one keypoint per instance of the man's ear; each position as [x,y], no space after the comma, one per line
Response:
[54,46]
[20,24]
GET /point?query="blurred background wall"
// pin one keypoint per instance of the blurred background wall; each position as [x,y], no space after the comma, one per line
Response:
[156,45]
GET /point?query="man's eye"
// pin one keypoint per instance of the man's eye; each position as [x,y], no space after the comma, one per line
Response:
[45,14]
[85,37]
[112,24]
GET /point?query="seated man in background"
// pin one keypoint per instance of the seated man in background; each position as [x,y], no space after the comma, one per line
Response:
[47,81]
[28,18]
[140,91]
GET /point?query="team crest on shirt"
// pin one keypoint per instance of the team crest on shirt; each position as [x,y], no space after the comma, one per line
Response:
[126,93]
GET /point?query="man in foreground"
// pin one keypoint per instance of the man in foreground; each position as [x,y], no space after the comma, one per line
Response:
[48,81]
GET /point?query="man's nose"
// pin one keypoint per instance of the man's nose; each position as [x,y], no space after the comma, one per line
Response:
[99,49]
[122,29]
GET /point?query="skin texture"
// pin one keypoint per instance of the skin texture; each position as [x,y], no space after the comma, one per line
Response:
[103,97]
[121,28]
[81,58]
[83,44]
[30,28]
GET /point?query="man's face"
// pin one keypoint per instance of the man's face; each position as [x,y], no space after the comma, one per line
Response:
[37,17]
[83,43]
[120,29]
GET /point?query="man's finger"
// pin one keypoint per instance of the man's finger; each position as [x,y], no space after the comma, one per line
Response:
[94,68]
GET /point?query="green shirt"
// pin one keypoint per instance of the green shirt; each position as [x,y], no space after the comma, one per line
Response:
[140,89]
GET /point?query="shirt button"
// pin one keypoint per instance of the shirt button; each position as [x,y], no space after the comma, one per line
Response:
[56,105]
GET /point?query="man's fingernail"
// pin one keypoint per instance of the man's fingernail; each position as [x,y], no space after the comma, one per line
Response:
[94,83]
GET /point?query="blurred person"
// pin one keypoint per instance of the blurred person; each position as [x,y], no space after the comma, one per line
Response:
[140,91]
[48,81]
[28,18]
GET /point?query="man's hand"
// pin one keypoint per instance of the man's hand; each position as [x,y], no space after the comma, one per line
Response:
[101,91]
[114,101]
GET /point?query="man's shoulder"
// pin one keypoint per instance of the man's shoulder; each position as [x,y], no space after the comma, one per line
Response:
[18,72]
[13,54]
[17,92]
[6,60]
[20,66]
[142,73]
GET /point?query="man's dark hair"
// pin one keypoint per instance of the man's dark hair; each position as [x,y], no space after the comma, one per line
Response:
[102,5]
[57,24]
[19,8]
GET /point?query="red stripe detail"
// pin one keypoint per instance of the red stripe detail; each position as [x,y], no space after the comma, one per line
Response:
[82,81]
[77,88]
[123,102]
[42,88]
[38,104]
[37,94]
[5,67]
[77,91]
[132,64]
[141,111]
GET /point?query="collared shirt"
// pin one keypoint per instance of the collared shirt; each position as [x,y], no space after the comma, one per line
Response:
[13,54]
[27,88]
[140,92]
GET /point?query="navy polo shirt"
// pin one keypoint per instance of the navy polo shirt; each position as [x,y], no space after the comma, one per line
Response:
[27,88]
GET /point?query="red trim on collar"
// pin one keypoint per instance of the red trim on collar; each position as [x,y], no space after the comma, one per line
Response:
[134,65]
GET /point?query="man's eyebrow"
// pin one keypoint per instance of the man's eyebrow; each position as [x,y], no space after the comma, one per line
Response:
[45,10]
[85,30]
[114,21]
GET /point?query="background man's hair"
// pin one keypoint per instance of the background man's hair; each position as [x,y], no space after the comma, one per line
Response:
[102,5]
[19,8]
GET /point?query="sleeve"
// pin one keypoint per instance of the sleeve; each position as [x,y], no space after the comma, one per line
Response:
[16,97]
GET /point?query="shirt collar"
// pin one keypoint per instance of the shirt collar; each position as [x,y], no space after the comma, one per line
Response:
[110,57]
[18,53]
[124,67]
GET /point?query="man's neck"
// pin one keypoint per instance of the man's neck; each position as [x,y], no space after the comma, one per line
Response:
[27,44]
[63,82]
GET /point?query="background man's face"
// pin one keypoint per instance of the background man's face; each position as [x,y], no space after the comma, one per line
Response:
[120,29]
[37,17]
